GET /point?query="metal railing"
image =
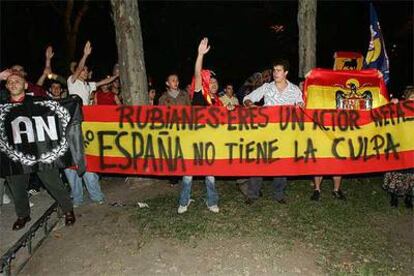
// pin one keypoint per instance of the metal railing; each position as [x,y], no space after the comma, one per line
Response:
[27,241]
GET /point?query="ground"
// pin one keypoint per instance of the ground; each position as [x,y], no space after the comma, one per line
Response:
[362,235]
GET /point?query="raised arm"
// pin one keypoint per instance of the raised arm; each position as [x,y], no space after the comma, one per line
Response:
[95,99]
[106,80]
[48,66]
[49,55]
[87,50]
[203,49]
[46,72]
[117,100]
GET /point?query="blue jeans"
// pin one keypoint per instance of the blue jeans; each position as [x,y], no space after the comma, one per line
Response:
[91,182]
[212,196]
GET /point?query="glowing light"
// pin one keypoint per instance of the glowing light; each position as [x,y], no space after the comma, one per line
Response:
[277,28]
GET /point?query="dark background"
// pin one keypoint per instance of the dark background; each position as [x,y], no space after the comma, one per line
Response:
[240,33]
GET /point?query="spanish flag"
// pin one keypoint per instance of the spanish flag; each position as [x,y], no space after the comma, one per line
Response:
[350,89]
[267,141]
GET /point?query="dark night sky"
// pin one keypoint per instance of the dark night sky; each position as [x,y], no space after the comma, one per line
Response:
[239,31]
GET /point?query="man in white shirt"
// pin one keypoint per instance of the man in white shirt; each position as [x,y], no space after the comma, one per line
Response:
[229,99]
[78,85]
[279,92]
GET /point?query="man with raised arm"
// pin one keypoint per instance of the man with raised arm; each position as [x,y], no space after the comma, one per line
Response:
[77,82]
[204,98]
[48,71]
[78,85]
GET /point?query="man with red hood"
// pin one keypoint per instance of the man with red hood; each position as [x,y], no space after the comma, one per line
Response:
[205,94]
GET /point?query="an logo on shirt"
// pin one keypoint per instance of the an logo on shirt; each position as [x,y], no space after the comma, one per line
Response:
[46,125]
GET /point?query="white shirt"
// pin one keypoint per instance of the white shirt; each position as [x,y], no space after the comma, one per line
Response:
[226,100]
[81,88]
[272,96]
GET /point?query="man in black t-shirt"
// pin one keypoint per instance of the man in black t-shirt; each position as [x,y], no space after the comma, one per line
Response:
[203,98]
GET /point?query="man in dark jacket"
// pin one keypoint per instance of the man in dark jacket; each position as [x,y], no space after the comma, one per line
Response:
[173,95]
[16,85]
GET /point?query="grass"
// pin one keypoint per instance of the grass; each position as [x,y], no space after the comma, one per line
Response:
[358,236]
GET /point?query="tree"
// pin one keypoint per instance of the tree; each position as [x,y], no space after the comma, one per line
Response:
[72,29]
[307,35]
[71,23]
[130,51]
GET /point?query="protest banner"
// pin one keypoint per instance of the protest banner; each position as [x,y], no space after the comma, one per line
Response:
[268,141]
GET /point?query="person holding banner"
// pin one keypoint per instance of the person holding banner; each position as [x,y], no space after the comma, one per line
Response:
[205,90]
[279,92]
[78,85]
[174,96]
[18,183]
[336,193]
[229,99]
[104,96]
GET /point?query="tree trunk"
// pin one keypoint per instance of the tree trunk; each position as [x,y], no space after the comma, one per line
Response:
[307,36]
[72,30]
[71,40]
[130,51]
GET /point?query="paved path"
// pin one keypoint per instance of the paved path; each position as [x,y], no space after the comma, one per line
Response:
[8,237]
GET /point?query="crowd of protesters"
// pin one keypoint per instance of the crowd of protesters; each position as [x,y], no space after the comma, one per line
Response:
[203,91]
[53,86]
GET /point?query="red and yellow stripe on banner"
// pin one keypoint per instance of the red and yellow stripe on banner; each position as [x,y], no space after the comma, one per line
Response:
[322,85]
[268,141]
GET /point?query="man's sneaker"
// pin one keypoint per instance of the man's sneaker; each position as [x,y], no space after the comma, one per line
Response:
[33,192]
[173,181]
[408,200]
[394,200]
[6,199]
[243,187]
[249,201]
[338,195]
[214,208]
[183,209]
[316,195]
[70,218]
[20,223]
[281,201]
